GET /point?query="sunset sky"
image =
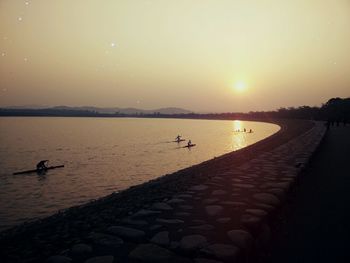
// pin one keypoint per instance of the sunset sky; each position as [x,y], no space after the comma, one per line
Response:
[202,55]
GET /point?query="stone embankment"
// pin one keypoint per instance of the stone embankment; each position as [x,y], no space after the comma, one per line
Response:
[220,212]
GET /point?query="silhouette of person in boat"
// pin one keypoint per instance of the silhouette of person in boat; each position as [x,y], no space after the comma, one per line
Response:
[189,143]
[178,138]
[42,165]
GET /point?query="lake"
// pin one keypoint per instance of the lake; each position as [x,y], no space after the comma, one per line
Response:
[102,156]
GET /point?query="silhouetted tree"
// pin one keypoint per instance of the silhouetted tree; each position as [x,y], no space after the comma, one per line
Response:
[336,109]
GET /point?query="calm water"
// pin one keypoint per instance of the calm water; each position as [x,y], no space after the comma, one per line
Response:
[101,156]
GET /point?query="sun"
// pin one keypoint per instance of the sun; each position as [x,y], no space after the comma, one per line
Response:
[239,86]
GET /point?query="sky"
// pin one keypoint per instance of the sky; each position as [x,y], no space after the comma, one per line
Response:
[202,55]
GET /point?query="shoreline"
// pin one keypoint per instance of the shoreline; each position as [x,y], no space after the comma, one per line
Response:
[98,214]
[144,184]
[118,164]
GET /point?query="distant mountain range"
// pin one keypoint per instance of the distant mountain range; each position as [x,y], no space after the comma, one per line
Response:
[112,110]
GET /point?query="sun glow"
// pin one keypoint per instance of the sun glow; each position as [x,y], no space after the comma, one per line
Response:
[239,86]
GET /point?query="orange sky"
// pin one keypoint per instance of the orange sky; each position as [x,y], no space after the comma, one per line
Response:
[203,55]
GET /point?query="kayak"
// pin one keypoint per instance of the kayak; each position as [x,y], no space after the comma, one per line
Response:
[39,170]
[181,140]
[189,146]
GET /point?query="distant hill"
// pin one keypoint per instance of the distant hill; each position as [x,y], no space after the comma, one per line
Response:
[125,110]
[112,110]
[30,106]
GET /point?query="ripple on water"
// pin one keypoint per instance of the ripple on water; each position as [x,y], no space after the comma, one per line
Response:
[101,156]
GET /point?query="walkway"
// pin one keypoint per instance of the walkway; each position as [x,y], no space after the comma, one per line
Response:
[317,228]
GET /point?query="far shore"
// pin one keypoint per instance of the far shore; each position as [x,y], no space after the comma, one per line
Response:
[269,116]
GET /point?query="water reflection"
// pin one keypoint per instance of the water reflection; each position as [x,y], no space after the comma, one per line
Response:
[102,156]
[41,176]
[238,137]
[237,125]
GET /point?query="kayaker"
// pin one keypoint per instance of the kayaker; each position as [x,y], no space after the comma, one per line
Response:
[189,143]
[42,165]
[178,138]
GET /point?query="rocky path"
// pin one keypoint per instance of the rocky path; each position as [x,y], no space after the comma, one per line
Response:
[316,218]
[221,219]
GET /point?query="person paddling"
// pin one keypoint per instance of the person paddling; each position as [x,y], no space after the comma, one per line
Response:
[178,138]
[42,165]
[189,143]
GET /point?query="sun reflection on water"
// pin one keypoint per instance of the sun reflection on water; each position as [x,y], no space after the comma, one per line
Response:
[238,136]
